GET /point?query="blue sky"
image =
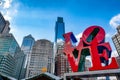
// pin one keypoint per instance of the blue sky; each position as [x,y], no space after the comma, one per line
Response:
[37,17]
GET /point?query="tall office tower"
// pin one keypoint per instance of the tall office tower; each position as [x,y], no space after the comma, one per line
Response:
[61,62]
[4,25]
[27,44]
[41,58]
[10,53]
[20,60]
[9,45]
[7,64]
[116,40]
[59,29]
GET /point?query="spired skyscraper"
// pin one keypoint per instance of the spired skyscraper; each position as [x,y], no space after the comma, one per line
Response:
[59,29]
[61,63]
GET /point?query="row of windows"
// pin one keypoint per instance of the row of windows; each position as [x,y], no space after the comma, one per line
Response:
[7,63]
[6,69]
[38,64]
[6,72]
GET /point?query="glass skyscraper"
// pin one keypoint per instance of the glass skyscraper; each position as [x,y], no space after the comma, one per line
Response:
[59,29]
[4,25]
[13,55]
[8,44]
[7,64]
[61,63]
[27,44]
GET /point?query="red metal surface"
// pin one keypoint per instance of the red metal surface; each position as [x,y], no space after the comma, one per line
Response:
[92,45]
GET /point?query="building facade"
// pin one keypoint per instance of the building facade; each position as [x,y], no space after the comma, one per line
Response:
[59,29]
[7,64]
[27,44]
[12,58]
[8,44]
[61,62]
[116,40]
[41,58]
[26,47]
[4,25]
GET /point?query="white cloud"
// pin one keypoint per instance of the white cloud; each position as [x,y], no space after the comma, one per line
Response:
[7,4]
[78,36]
[59,40]
[9,9]
[115,21]
[108,35]
[114,53]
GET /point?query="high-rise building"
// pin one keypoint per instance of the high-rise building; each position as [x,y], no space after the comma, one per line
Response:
[20,60]
[4,25]
[59,29]
[11,56]
[116,40]
[41,58]
[61,62]
[9,45]
[7,64]
[27,44]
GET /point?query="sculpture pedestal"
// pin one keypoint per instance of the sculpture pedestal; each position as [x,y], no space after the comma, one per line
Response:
[89,74]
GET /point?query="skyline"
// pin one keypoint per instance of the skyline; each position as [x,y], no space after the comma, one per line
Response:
[38,17]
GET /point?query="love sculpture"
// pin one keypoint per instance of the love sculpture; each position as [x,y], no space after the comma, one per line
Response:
[92,43]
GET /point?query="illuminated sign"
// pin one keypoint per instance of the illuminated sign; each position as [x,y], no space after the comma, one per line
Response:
[91,43]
